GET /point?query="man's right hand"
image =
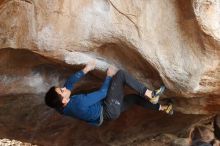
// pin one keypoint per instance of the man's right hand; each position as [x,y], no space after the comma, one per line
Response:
[112,70]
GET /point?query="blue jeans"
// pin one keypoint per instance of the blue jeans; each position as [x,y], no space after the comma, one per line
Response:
[116,102]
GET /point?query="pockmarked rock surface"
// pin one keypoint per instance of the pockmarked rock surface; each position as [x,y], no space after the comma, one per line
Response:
[8,142]
[171,42]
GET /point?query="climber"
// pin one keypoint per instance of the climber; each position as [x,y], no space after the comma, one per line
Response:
[108,102]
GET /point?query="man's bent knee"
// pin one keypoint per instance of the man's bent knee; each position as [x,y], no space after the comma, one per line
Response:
[113,111]
[115,116]
[120,73]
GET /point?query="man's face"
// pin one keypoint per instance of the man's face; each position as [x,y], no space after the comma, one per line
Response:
[65,93]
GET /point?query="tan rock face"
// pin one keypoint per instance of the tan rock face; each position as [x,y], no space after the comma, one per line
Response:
[207,14]
[175,42]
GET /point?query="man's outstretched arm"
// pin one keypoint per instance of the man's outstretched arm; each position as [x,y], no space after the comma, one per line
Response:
[94,97]
[69,84]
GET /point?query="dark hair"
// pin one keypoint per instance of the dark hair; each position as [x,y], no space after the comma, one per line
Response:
[53,99]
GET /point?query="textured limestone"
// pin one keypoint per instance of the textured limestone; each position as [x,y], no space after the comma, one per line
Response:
[207,14]
[175,42]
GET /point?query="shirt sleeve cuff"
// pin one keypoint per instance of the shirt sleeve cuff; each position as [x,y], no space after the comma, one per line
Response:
[108,78]
[81,72]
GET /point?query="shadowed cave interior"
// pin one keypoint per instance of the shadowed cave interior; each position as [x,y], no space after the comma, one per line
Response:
[25,76]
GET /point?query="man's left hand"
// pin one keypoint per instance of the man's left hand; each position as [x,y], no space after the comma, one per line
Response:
[90,66]
[112,70]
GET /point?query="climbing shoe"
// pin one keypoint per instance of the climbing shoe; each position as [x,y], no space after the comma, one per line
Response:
[169,109]
[156,95]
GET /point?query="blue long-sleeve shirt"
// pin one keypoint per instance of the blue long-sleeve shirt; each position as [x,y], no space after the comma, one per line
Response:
[86,107]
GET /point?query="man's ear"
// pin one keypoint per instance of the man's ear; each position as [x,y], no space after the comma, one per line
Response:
[64,100]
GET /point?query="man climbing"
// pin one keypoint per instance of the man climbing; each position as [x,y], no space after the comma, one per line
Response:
[108,102]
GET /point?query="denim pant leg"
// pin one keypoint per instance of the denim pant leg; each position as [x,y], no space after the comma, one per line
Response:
[114,99]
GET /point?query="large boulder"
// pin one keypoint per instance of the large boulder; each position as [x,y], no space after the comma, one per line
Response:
[171,42]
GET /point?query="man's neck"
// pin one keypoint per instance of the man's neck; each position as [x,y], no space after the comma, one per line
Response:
[66,102]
